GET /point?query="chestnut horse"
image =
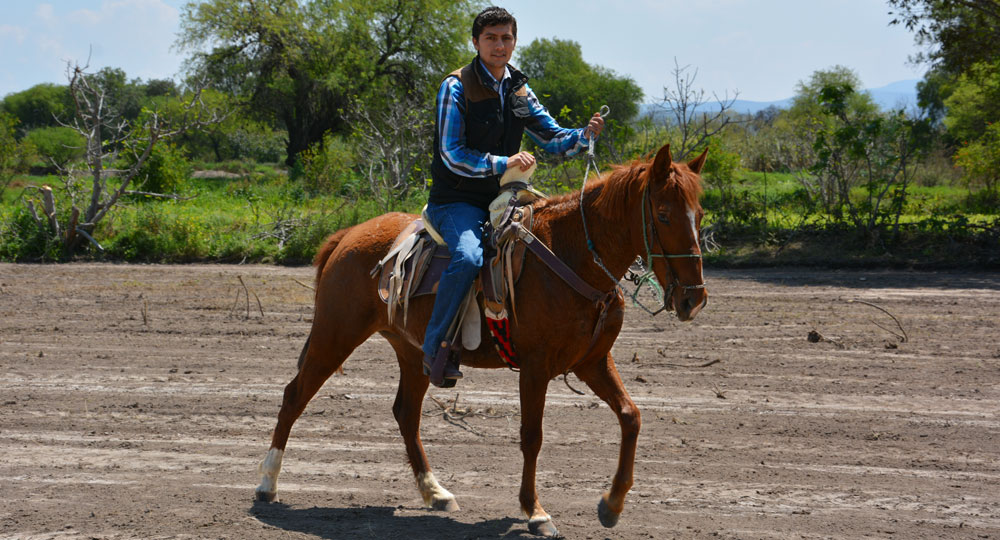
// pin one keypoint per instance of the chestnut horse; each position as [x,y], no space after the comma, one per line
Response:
[648,207]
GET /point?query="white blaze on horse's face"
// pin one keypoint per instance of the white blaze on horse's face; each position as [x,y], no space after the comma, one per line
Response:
[693,219]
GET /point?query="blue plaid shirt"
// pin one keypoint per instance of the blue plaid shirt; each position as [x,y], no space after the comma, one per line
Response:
[542,129]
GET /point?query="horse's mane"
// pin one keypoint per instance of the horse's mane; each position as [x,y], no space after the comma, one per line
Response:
[612,191]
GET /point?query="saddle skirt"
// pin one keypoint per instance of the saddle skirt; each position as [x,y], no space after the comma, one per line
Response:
[415,262]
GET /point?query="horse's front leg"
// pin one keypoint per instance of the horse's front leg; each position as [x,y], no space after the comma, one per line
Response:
[532,409]
[602,377]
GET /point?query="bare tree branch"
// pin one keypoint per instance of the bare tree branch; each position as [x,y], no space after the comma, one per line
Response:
[106,135]
[682,103]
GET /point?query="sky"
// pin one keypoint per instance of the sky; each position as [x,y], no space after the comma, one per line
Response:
[758,49]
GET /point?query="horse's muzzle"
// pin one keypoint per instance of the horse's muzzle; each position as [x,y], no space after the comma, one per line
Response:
[688,302]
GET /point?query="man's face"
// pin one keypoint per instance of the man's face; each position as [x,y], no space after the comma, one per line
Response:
[496,45]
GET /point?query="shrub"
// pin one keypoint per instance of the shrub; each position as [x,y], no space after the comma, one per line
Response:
[57,145]
[327,166]
[165,171]
[260,144]
[14,154]
[980,160]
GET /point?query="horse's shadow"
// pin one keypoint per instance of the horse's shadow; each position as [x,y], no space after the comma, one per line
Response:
[379,522]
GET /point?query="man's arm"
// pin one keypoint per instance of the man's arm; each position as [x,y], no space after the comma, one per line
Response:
[546,132]
[459,158]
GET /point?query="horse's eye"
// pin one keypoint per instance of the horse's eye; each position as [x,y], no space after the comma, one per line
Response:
[663,218]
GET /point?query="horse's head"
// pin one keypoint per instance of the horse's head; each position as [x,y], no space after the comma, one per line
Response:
[672,224]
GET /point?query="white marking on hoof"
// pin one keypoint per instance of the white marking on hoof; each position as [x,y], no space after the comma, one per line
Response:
[267,491]
[435,496]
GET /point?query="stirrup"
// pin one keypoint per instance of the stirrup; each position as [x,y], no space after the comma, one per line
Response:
[442,370]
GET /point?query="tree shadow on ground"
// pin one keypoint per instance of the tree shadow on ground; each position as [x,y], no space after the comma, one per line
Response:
[380,522]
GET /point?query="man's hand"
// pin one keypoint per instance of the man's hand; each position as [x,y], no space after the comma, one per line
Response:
[595,127]
[524,160]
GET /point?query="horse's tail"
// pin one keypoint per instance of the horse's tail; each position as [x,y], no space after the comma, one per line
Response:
[324,253]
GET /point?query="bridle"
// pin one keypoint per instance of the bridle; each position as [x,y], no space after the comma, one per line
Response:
[638,280]
[675,283]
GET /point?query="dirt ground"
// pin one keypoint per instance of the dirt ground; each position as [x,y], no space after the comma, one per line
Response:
[136,402]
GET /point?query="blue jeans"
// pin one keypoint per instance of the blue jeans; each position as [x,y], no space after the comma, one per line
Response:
[461,226]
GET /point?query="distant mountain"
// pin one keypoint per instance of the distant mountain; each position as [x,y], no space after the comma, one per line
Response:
[896,95]
[891,96]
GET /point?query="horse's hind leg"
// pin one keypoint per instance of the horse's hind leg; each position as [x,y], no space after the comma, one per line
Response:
[323,354]
[602,377]
[407,411]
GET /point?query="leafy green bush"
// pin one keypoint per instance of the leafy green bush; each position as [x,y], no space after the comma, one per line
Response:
[721,171]
[164,171]
[14,154]
[328,166]
[257,143]
[22,240]
[155,234]
[980,160]
[57,145]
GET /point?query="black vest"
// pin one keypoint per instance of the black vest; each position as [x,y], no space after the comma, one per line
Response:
[488,129]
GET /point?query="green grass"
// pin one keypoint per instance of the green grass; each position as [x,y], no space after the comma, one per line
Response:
[258,214]
[261,216]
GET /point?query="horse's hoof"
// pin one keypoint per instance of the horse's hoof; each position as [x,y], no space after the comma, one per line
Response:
[445,505]
[543,527]
[608,518]
[266,496]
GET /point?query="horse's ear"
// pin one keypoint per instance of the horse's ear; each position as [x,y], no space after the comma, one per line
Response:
[697,163]
[662,162]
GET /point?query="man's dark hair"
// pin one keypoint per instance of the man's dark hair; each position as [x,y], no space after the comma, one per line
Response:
[493,16]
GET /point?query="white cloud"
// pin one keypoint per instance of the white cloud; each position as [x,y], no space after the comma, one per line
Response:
[84,16]
[45,12]
[17,33]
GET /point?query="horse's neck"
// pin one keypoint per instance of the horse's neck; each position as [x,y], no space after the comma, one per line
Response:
[611,238]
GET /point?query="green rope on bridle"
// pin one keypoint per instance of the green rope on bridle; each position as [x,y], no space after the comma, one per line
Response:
[647,277]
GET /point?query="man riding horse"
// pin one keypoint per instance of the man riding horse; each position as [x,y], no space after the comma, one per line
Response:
[482,113]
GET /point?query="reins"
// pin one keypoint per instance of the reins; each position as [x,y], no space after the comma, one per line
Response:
[592,160]
[647,277]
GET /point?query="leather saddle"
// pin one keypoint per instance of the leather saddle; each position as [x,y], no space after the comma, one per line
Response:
[418,256]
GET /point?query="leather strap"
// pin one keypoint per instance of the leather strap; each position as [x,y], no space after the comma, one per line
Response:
[555,263]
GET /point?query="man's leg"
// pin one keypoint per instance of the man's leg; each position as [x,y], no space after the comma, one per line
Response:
[461,226]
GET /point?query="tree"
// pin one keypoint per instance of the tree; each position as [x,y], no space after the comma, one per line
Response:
[125,98]
[41,105]
[807,105]
[236,136]
[300,64]
[877,151]
[95,117]
[980,161]
[957,34]
[973,103]
[799,128]
[392,146]
[574,90]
